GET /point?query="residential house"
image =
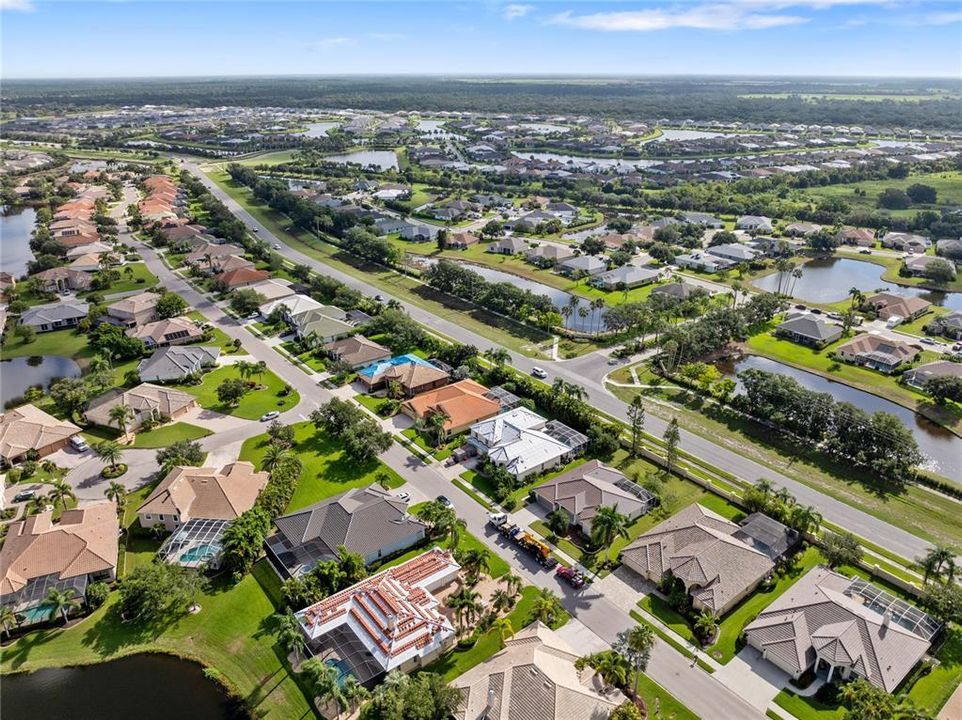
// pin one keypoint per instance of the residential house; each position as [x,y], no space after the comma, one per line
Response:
[54,316]
[584,489]
[888,305]
[617,241]
[28,429]
[204,256]
[453,210]
[625,277]
[352,627]
[565,212]
[134,310]
[524,443]
[292,305]
[460,240]
[802,229]
[700,218]
[420,232]
[40,554]
[175,364]
[863,237]
[357,351]
[146,402]
[507,246]
[754,223]
[676,290]
[368,521]
[919,264]
[546,255]
[62,280]
[919,376]
[462,404]
[734,252]
[699,548]
[842,628]
[273,289]
[703,261]
[878,353]
[241,277]
[389,225]
[949,326]
[808,329]
[905,242]
[322,324]
[950,248]
[583,265]
[91,262]
[192,493]
[186,235]
[413,374]
[170,331]
[534,677]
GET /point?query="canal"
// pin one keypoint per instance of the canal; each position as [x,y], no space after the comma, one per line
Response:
[942,449]
[148,687]
[15,232]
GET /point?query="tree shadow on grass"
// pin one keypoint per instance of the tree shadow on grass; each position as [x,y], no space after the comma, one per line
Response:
[112,634]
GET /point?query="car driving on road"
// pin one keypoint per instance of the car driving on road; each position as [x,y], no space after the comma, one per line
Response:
[270,416]
[539,373]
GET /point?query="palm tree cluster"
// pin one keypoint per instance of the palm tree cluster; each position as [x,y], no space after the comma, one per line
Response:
[781,505]
[939,564]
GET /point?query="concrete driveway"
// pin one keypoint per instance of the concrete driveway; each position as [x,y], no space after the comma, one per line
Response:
[88,485]
[755,680]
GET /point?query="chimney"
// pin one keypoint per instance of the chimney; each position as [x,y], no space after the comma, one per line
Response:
[886,618]
[492,699]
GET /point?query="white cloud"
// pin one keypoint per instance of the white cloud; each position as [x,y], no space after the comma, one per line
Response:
[18,5]
[510,12]
[943,18]
[339,41]
[709,16]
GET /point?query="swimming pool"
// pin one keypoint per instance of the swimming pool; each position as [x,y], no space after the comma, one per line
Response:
[200,553]
[36,614]
[342,667]
[375,369]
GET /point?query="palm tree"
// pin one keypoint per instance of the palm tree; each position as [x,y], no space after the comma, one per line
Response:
[245,369]
[505,629]
[99,363]
[117,493]
[274,456]
[120,415]
[501,600]
[37,504]
[499,356]
[435,423]
[324,682]
[596,304]
[60,491]
[109,452]
[546,606]
[260,367]
[705,625]
[289,634]
[606,524]
[8,619]
[610,666]
[62,601]
[474,562]
[805,518]
[858,297]
[566,313]
[354,692]
[513,584]
[634,645]
[465,605]
[736,288]
[935,559]
[796,274]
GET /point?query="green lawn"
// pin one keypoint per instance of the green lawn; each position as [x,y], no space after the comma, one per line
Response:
[309,357]
[668,705]
[128,283]
[169,434]
[254,404]
[948,185]
[326,470]
[808,708]
[229,634]
[370,402]
[219,336]
[460,660]
[933,690]
[59,342]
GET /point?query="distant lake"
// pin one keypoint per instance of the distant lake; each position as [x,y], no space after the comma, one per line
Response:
[545,128]
[435,128]
[146,687]
[577,162]
[319,129]
[828,280]
[685,135]
[942,449]
[19,374]
[380,159]
[15,231]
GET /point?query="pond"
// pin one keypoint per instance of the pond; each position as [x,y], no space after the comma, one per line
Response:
[148,687]
[942,449]
[559,298]
[19,374]
[379,159]
[435,128]
[319,129]
[15,231]
[545,128]
[828,280]
[588,163]
[685,135]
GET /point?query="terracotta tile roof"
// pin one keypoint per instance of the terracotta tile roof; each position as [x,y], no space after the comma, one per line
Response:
[464,403]
[889,305]
[191,492]
[30,428]
[84,541]
[414,375]
[241,276]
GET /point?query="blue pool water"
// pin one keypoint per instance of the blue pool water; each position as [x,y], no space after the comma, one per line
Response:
[39,613]
[379,367]
[200,552]
[342,667]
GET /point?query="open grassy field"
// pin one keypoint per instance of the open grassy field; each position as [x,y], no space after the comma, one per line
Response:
[169,434]
[926,514]
[948,185]
[326,470]
[140,279]
[231,634]
[254,404]
[68,343]
[515,336]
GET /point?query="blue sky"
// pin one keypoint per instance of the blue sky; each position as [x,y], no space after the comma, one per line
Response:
[130,38]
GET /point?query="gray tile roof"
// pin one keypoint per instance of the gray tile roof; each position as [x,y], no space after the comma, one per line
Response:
[810,326]
[53,312]
[177,362]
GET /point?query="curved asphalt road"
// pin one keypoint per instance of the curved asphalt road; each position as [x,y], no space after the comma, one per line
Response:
[589,372]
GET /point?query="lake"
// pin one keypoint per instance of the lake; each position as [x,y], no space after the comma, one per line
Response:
[545,128]
[15,231]
[942,449]
[379,159]
[828,280]
[580,162]
[559,298]
[435,129]
[19,374]
[684,135]
[319,129]
[147,687]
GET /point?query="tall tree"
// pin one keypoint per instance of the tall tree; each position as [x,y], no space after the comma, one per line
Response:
[636,415]
[671,437]
[62,602]
[634,645]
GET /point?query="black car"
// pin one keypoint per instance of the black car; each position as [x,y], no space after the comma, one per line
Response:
[24,495]
[444,501]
